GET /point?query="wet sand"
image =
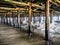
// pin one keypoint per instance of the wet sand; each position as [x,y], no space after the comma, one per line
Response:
[14,36]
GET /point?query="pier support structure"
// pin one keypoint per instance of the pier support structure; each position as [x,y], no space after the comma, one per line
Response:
[47,20]
[5,18]
[29,19]
[13,19]
[51,16]
[18,17]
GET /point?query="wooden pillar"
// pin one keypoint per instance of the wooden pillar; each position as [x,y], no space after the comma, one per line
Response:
[29,19]
[10,20]
[39,17]
[7,19]
[1,19]
[18,18]
[58,17]
[47,20]
[34,18]
[51,16]
[13,18]
[4,18]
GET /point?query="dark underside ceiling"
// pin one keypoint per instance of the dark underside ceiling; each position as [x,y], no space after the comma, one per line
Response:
[3,3]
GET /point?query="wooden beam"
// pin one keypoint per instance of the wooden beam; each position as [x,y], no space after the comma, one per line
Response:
[12,9]
[58,1]
[3,11]
[38,6]
[26,4]
[18,3]
[5,8]
[33,5]
[54,3]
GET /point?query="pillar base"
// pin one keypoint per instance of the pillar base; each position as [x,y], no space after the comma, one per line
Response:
[46,35]
[29,31]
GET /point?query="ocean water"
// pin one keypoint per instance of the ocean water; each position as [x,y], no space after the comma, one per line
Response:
[38,25]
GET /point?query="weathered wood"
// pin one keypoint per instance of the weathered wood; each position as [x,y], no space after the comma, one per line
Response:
[47,20]
[13,18]
[4,18]
[58,17]
[29,19]
[18,17]
[51,16]
[33,17]
[39,17]
[54,3]
[10,20]
[1,19]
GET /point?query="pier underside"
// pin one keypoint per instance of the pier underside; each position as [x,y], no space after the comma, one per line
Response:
[13,36]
